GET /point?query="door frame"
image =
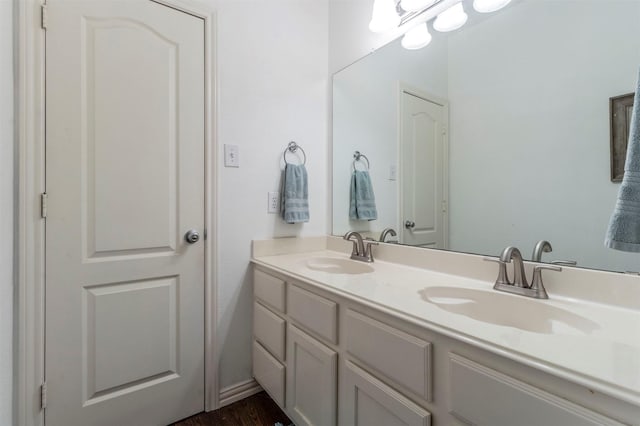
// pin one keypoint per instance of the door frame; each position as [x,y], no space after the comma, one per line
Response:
[429,97]
[30,229]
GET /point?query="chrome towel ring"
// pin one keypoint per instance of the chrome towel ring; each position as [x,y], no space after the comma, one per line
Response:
[357,157]
[292,148]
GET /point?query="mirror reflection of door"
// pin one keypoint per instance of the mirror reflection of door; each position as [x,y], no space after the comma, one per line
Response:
[423,164]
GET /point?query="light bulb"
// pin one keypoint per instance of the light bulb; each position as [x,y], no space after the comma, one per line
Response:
[384,16]
[487,6]
[416,5]
[451,19]
[417,37]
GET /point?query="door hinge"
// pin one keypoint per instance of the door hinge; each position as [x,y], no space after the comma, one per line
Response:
[444,206]
[43,395]
[43,16]
[43,205]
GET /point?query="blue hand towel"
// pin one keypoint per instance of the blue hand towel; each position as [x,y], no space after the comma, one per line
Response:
[624,226]
[363,202]
[295,195]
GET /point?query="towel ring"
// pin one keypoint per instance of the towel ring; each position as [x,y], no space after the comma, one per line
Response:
[357,156]
[292,147]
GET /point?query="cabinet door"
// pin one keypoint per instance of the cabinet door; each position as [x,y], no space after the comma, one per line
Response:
[369,402]
[311,380]
[511,401]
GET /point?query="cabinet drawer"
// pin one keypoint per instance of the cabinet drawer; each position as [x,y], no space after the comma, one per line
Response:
[369,402]
[269,373]
[269,329]
[269,290]
[315,313]
[511,400]
[403,358]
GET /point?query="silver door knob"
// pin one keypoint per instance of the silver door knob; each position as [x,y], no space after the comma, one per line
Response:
[409,224]
[192,236]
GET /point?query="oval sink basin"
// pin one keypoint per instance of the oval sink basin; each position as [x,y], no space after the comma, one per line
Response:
[508,310]
[334,265]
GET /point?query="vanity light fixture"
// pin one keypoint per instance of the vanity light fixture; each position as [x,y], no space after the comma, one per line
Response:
[384,17]
[416,5]
[487,6]
[451,19]
[412,16]
[417,37]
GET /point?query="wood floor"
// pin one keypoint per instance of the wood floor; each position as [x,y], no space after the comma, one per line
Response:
[257,410]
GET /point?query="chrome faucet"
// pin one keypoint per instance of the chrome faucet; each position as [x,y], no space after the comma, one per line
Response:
[519,284]
[385,232]
[541,246]
[512,253]
[362,250]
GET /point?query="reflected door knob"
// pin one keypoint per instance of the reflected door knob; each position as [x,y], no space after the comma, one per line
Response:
[192,236]
[409,224]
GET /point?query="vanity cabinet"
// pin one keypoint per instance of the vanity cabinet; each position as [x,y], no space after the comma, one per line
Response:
[327,358]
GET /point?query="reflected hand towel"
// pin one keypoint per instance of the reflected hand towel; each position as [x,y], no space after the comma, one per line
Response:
[363,202]
[295,194]
[624,226]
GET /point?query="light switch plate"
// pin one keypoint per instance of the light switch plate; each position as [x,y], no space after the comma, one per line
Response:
[231,156]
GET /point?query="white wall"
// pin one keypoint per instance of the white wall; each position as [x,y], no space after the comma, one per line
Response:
[368,92]
[6,211]
[529,126]
[272,88]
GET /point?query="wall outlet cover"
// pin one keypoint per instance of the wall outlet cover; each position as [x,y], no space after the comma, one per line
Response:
[273,202]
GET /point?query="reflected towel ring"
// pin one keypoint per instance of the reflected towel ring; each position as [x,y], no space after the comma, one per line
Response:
[357,156]
[292,147]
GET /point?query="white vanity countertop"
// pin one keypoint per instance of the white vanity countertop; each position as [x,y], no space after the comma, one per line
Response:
[606,359]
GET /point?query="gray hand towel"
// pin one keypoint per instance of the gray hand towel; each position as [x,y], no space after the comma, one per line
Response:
[363,202]
[624,226]
[295,195]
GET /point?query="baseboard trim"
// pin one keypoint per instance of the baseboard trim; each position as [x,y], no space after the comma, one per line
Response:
[242,390]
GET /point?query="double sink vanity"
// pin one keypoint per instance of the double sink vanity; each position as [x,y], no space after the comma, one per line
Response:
[420,337]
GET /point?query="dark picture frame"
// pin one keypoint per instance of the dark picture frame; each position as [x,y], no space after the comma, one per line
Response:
[620,108]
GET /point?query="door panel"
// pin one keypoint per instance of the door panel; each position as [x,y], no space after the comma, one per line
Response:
[125,179]
[423,157]
[115,124]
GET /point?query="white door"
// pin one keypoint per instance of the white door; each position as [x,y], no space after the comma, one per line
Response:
[125,182]
[423,164]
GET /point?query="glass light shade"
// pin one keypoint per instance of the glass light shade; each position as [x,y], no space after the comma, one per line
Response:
[384,16]
[487,6]
[451,19]
[417,37]
[415,5]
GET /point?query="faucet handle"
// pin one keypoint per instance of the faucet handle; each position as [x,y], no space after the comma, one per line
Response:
[536,283]
[564,262]
[502,279]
